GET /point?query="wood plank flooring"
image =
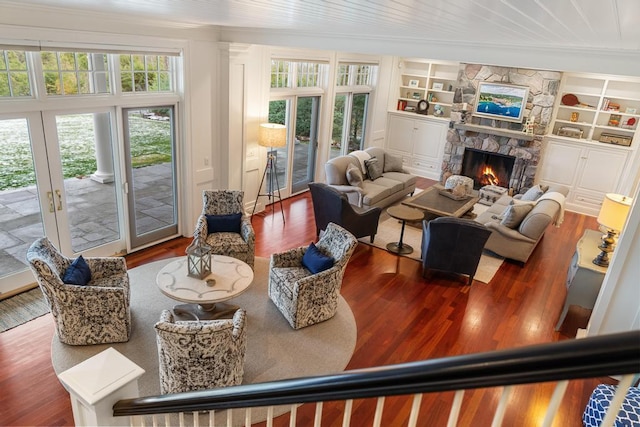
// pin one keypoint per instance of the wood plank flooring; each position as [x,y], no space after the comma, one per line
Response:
[401,317]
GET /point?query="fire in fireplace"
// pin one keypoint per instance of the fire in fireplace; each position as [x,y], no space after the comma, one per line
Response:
[486,168]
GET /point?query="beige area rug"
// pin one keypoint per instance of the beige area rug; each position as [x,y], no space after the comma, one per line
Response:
[274,350]
[389,231]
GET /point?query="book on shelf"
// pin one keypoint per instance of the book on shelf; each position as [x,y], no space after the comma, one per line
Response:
[614,120]
[605,104]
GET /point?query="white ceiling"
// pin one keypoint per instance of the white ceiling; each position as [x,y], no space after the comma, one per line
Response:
[600,24]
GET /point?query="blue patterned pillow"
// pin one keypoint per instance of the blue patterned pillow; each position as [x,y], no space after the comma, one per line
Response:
[78,273]
[224,223]
[315,261]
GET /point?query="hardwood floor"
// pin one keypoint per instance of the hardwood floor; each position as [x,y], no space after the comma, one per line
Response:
[400,316]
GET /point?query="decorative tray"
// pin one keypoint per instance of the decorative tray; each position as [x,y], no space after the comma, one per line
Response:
[449,194]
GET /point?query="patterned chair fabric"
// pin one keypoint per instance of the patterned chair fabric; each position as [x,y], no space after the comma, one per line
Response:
[200,355]
[97,313]
[224,202]
[600,400]
[304,298]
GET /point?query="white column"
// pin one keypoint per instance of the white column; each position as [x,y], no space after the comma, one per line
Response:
[96,384]
[104,157]
[102,129]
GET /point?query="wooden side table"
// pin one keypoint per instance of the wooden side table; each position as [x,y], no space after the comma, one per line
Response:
[403,213]
[584,278]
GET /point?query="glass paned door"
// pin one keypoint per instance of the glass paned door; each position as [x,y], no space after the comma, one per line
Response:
[21,219]
[305,142]
[151,173]
[295,163]
[85,150]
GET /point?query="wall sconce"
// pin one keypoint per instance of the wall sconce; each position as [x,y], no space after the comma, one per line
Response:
[612,217]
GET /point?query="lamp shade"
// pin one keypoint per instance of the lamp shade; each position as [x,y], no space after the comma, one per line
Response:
[272,135]
[614,211]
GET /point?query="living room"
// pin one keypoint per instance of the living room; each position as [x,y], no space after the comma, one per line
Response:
[238,72]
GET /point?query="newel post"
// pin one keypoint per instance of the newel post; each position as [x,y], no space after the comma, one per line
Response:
[96,384]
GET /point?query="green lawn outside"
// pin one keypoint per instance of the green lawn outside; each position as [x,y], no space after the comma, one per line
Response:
[150,144]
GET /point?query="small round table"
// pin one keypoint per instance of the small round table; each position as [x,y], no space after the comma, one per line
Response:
[403,213]
[229,278]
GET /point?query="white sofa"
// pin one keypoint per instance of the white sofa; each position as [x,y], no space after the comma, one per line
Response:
[381,192]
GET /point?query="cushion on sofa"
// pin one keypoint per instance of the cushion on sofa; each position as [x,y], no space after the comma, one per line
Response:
[374,168]
[405,178]
[373,193]
[514,214]
[533,193]
[361,156]
[392,163]
[354,176]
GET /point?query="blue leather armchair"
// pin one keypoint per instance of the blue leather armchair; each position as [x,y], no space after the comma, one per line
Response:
[331,205]
[453,245]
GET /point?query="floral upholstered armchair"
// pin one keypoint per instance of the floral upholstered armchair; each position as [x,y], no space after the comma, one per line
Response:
[200,355]
[94,313]
[305,298]
[224,226]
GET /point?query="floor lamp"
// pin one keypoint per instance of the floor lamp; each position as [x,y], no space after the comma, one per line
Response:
[271,135]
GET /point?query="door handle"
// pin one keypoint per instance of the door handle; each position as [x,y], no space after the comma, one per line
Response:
[59,199]
[50,197]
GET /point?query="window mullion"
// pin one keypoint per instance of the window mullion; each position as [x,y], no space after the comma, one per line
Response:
[36,76]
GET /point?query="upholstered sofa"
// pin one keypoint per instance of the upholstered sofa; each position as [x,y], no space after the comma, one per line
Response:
[391,185]
[516,237]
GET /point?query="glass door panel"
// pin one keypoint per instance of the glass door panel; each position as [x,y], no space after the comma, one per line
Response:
[151,173]
[87,162]
[278,113]
[358,120]
[337,131]
[305,142]
[21,218]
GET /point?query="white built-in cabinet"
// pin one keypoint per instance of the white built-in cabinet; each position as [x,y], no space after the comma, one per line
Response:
[419,140]
[589,169]
[421,79]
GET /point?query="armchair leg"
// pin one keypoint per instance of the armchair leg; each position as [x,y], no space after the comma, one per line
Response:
[470,280]
[373,236]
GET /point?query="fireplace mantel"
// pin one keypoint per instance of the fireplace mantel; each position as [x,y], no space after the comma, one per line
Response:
[494,131]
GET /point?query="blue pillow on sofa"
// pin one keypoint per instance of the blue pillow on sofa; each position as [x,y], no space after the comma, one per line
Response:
[224,223]
[315,261]
[78,273]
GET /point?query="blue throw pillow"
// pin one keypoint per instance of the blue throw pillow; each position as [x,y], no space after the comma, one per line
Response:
[315,261]
[224,223]
[78,273]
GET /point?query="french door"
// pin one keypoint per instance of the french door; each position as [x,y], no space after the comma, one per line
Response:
[61,183]
[62,177]
[296,161]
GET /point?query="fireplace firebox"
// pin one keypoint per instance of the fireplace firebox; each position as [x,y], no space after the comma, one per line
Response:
[486,168]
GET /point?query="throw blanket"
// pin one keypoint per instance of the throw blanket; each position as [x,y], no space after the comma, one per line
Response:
[558,198]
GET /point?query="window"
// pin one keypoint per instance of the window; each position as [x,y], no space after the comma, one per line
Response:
[279,73]
[14,74]
[304,74]
[146,73]
[353,88]
[75,73]
[355,74]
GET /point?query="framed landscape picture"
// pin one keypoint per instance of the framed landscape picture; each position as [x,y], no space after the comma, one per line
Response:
[501,101]
[414,83]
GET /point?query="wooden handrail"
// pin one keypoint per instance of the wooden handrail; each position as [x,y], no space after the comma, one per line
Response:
[613,354]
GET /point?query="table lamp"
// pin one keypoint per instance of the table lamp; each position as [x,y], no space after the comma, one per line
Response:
[271,135]
[612,217]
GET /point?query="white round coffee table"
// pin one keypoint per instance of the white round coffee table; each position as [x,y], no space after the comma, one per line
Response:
[203,297]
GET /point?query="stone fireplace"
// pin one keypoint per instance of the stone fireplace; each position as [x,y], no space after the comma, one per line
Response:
[486,168]
[500,137]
